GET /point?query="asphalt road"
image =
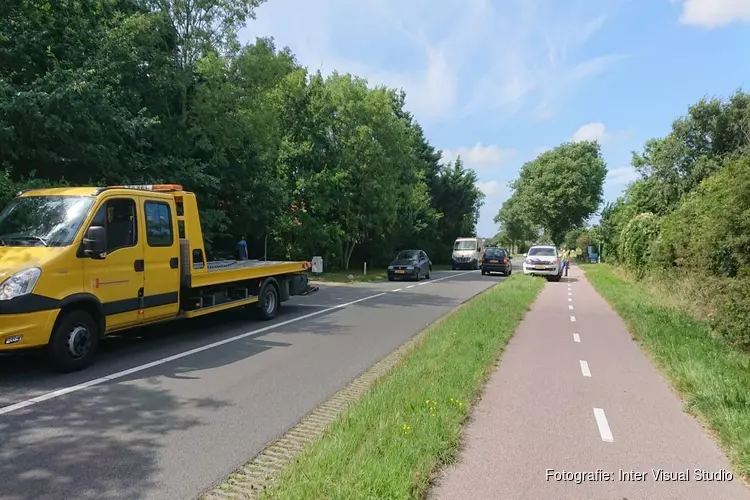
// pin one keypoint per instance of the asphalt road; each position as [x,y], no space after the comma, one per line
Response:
[574,394]
[172,428]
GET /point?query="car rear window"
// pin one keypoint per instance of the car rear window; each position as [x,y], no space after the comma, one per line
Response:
[495,253]
[542,251]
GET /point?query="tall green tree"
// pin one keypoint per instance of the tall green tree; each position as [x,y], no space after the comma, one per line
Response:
[562,188]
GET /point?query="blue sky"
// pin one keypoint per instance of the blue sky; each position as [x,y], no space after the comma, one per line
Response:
[498,81]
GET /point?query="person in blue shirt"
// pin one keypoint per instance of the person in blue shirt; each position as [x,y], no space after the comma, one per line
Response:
[242,249]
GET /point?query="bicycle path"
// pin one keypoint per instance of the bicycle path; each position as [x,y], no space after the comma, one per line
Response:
[577,411]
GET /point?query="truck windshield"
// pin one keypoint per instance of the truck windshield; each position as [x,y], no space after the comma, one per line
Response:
[43,220]
[465,245]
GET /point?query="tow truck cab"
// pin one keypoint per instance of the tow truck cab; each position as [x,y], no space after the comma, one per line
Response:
[79,263]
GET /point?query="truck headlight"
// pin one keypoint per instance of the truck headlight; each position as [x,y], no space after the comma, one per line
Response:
[21,283]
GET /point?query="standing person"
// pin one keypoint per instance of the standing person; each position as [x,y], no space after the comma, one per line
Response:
[242,249]
[564,258]
[567,256]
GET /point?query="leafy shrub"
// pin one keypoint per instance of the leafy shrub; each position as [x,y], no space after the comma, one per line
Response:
[637,241]
[732,296]
[710,229]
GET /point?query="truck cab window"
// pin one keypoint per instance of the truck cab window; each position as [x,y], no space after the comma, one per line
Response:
[158,224]
[117,216]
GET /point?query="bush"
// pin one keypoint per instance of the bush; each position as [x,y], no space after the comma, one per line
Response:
[637,242]
[710,229]
[732,322]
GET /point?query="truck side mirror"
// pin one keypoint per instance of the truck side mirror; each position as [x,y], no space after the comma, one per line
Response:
[95,243]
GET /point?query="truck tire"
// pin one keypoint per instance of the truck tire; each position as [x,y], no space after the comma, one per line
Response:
[268,302]
[74,341]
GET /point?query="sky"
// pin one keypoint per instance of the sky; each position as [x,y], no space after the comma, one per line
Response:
[499,81]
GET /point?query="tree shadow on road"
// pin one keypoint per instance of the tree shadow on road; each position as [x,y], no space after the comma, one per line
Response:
[101,443]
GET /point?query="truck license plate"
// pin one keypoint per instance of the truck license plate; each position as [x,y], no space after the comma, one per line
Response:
[539,267]
[399,271]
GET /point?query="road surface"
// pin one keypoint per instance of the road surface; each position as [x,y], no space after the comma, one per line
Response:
[574,394]
[171,430]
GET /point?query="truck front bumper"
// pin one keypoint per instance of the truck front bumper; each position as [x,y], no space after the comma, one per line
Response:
[23,331]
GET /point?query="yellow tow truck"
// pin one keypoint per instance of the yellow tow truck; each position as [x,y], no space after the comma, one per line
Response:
[83,262]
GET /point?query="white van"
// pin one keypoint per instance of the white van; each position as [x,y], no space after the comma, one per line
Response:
[467,253]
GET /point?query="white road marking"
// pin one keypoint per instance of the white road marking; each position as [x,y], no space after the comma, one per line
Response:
[570,307]
[601,421]
[573,319]
[396,290]
[569,293]
[576,337]
[585,369]
[295,304]
[570,300]
[410,286]
[425,283]
[140,368]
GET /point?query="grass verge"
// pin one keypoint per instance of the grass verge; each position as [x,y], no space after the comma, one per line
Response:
[389,443]
[712,378]
[359,277]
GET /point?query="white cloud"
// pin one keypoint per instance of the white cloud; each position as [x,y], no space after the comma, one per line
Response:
[489,188]
[479,155]
[597,131]
[715,13]
[454,58]
[541,150]
[620,176]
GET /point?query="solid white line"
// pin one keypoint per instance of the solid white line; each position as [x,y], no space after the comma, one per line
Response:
[570,307]
[576,337]
[136,369]
[396,290]
[573,319]
[295,304]
[585,369]
[601,421]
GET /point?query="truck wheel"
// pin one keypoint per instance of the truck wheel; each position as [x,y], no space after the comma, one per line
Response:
[268,302]
[74,341]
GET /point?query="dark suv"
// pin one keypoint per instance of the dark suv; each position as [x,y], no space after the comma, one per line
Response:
[496,260]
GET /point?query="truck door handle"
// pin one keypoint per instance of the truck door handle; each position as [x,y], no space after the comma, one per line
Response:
[174,262]
[138,265]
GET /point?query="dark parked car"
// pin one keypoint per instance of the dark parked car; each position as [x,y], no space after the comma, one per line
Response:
[496,260]
[410,264]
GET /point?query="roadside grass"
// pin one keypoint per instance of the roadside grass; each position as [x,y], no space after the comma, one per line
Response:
[408,425]
[712,378]
[359,277]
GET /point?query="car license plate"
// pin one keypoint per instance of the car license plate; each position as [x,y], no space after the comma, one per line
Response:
[494,261]
[399,271]
[540,267]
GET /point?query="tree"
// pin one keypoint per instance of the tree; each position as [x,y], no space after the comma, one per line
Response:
[148,91]
[513,222]
[562,188]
